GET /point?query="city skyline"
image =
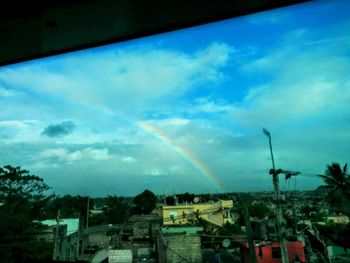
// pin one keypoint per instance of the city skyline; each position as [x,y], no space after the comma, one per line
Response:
[185,110]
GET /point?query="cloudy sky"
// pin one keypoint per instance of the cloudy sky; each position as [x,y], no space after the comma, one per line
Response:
[184,111]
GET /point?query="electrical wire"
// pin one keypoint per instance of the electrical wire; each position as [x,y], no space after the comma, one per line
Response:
[170,249]
[182,258]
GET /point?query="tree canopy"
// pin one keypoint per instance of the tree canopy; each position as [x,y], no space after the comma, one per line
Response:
[337,181]
[170,200]
[259,210]
[186,197]
[116,210]
[144,202]
[69,206]
[17,185]
[22,195]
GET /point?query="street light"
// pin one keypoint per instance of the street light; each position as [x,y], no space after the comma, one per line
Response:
[279,212]
[268,134]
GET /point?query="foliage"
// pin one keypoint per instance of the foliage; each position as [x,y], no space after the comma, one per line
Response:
[69,206]
[314,213]
[18,187]
[186,197]
[27,251]
[205,198]
[144,202]
[96,220]
[229,229]
[23,202]
[259,210]
[170,200]
[336,233]
[337,181]
[116,210]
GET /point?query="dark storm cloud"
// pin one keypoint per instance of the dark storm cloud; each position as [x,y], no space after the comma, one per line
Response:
[59,130]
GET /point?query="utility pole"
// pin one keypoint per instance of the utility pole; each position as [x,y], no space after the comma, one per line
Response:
[252,254]
[87,212]
[57,238]
[279,211]
[295,228]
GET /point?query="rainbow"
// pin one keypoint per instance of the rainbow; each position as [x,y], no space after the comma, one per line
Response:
[184,153]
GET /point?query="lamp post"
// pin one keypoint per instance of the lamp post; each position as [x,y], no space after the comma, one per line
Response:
[279,212]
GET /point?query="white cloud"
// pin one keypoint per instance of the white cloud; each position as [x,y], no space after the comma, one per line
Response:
[128,159]
[14,131]
[301,84]
[67,156]
[116,80]
[208,105]
[170,122]
[96,154]
[14,124]
[58,152]
[156,172]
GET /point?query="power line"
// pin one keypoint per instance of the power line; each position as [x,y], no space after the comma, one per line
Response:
[311,174]
[182,258]
[168,248]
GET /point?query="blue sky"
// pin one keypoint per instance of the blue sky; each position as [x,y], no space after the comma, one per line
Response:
[74,119]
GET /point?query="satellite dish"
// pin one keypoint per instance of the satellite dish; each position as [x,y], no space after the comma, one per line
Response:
[226,243]
[196,199]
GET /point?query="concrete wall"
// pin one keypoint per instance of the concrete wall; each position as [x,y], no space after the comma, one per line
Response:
[66,246]
[187,246]
[98,238]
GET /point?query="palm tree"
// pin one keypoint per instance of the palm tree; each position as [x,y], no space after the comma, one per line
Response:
[338,185]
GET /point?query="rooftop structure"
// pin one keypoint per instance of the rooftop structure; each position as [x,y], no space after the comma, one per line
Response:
[217,214]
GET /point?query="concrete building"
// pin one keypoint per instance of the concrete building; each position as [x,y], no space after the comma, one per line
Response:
[143,236]
[217,214]
[65,239]
[144,226]
[178,244]
[95,235]
[270,252]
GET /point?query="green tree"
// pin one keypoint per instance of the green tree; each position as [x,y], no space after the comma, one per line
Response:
[186,197]
[229,229]
[18,187]
[337,181]
[23,198]
[116,210]
[170,200]
[144,202]
[259,210]
[70,206]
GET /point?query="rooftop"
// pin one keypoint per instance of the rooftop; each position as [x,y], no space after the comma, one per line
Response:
[72,224]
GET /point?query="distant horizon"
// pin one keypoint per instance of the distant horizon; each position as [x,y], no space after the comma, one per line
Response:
[184,110]
[172,194]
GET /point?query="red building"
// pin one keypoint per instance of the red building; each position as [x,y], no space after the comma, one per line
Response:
[270,252]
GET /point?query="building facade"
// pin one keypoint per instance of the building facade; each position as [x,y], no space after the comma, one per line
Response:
[216,214]
[270,252]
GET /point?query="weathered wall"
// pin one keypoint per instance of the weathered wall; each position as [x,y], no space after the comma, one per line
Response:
[186,246]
